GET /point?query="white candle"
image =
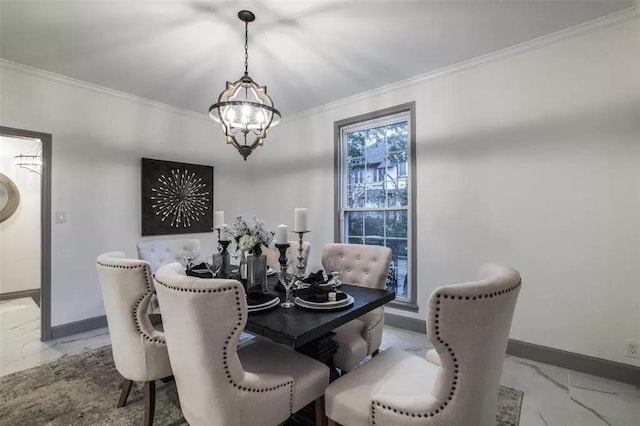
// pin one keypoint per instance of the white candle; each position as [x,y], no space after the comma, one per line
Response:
[300,223]
[218,219]
[224,232]
[282,234]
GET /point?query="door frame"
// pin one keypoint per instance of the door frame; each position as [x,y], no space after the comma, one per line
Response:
[45,224]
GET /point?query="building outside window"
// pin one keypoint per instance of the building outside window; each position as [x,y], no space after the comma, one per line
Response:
[378,209]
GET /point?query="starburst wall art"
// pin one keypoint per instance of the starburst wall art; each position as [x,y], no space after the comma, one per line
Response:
[177,198]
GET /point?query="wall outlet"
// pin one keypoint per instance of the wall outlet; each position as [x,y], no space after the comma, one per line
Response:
[632,348]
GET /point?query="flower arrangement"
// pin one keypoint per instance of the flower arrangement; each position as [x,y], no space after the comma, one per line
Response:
[251,235]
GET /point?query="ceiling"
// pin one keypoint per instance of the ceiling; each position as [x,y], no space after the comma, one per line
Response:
[308,53]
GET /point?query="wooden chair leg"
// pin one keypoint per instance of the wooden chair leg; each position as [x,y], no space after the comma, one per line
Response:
[149,402]
[375,353]
[126,388]
[321,419]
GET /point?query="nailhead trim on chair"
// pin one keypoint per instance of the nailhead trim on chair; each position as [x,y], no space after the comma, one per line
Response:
[454,383]
[135,309]
[227,342]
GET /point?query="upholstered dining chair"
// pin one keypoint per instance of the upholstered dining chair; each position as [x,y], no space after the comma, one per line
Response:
[139,350]
[366,266]
[468,325]
[162,252]
[262,383]
[292,254]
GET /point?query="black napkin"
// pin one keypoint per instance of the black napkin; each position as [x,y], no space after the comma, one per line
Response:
[258,298]
[200,271]
[318,294]
[279,287]
[315,278]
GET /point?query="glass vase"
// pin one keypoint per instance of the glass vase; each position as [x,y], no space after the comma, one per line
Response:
[257,272]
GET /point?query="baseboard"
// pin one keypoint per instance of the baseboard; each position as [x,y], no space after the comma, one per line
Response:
[585,364]
[76,327]
[406,323]
[625,373]
[34,294]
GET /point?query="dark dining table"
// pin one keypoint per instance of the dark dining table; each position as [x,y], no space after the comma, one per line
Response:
[310,331]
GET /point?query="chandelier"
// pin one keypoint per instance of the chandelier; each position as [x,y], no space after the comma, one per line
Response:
[244,110]
[31,160]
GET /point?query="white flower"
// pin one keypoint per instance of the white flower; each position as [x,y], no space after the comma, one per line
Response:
[250,234]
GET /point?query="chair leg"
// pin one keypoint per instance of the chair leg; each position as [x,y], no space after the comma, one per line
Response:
[149,402]
[375,353]
[321,419]
[126,388]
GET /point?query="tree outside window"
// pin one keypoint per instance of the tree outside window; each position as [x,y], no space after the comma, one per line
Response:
[376,193]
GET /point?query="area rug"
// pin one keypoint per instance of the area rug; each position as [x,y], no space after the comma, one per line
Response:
[83,390]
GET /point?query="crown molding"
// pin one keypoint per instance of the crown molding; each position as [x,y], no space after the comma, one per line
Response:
[618,17]
[97,88]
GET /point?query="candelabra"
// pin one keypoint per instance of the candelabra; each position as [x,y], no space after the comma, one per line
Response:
[218,229]
[282,248]
[301,266]
[225,270]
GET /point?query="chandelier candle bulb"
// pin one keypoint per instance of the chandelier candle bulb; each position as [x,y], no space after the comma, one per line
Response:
[218,219]
[300,224]
[282,236]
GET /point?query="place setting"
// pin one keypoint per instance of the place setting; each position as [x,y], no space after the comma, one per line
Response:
[257,301]
[314,292]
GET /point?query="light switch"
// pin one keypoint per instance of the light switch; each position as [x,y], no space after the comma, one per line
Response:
[61,217]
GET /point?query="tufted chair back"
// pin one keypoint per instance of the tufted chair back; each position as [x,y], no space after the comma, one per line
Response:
[161,252]
[139,351]
[457,385]
[366,266]
[292,254]
[203,320]
[361,265]
[468,325]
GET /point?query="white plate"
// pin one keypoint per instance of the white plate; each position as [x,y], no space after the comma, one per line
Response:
[333,303]
[271,271]
[262,308]
[325,306]
[269,302]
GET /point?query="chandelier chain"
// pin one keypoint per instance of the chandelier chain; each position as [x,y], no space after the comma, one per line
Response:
[246,48]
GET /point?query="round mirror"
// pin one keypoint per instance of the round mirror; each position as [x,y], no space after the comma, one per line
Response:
[9,197]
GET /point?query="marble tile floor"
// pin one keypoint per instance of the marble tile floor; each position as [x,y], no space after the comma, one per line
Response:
[20,345]
[552,395]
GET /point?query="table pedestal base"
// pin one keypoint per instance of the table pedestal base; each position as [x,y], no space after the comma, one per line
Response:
[323,348]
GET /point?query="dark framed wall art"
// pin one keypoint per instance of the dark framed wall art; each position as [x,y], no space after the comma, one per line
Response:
[177,198]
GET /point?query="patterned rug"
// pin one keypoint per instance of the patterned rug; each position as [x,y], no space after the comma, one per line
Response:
[83,390]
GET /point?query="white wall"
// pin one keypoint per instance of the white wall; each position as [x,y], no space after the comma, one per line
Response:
[532,160]
[98,140]
[20,233]
[529,160]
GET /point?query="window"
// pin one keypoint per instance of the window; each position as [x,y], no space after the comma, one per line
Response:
[378,175]
[378,209]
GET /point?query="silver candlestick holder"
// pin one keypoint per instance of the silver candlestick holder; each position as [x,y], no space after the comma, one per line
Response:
[301,266]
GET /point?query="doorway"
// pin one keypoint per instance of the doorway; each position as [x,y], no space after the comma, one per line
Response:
[25,228]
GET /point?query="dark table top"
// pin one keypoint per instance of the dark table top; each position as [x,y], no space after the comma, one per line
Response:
[296,326]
